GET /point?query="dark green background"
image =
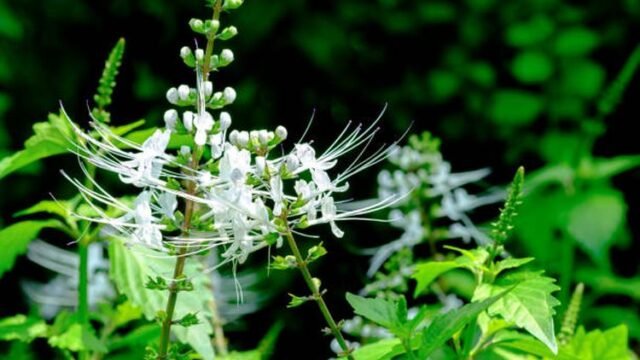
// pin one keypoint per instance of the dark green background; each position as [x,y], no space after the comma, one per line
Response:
[504,83]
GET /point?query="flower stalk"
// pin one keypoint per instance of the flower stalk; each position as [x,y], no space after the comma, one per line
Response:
[317,295]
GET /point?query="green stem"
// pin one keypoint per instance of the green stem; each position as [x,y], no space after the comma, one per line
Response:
[567,251]
[317,296]
[83,290]
[183,252]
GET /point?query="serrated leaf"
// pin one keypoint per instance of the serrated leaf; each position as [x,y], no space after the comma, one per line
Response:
[598,345]
[15,239]
[22,328]
[529,303]
[49,139]
[444,326]
[130,268]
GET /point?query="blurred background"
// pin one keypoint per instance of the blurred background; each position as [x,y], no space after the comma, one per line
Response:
[503,83]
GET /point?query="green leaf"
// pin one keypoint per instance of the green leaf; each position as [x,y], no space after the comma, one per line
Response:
[385,349]
[137,338]
[605,168]
[615,91]
[131,267]
[50,139]
[68,334]
[595,222]
[444,326]
[603,282]
[529,303]
[532,67]
[523,343]
[576,41]
[510,263]
[598,345]
[60,208]
[427,272]
[15,239]
[514,107]
[382,312]
[22,328]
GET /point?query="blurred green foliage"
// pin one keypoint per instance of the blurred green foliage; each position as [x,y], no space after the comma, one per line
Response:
[502,82]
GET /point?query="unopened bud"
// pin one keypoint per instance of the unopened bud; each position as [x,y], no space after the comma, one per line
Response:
[226,57]
[185,150]
[233,137]
[263,137]
[317,283]
[232,4]
[292,162]
[208,88]
[187,120]
[185,51]
[199,55]
[172,95]
[225,120]
[170,118]
[229,95]
[281,132]
[228,33]
[196,25]
[243,139]
[183,92]
[260,165]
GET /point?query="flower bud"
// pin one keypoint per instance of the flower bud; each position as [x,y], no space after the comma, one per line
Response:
[233,137]
[185,51]
[172,95]
[185,150]
[292,162]
[226,57]
[199,55]
[317,283]
[263,137]
[228,33]
[196,25]
[211,26]
[254,138]
[243,139]
[187,120]
[225,120]
[208,88]
[232,4]
[170,118]
[229,95]
[183,92]
[281,132]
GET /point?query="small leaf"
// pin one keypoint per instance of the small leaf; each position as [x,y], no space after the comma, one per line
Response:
[511,263]
[15,239]
[444,326]
[187,320]
[297,300]
[60,208]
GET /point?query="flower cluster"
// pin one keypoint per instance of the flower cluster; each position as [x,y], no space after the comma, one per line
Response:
[243,196]
[437,193]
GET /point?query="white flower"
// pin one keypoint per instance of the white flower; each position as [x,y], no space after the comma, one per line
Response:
[235,164]
[277,195]
[168,204]
[225,120]
[329,215]
[170,119]
[146,166]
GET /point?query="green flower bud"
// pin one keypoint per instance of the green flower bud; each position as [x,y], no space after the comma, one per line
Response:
[197,26]
[232,4]
[228,33]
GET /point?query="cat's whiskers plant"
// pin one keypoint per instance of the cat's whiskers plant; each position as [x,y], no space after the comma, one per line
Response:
[235,196]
